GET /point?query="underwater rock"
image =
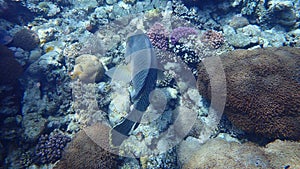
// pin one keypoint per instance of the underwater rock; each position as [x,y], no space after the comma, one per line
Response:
[5,38]
[89,149]
[119,105]
[26,39]
[110,2]
[88,69]
[272,38]
[242,37]
[129,1]
[48,9]
[185,149]
[15,12]
[283,153]
[11,69]
[85,5]
[217,153]
[282,12]
[263,96]
[33,125]
[238,22]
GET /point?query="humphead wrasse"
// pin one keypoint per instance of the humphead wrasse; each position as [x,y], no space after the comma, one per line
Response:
[141,71]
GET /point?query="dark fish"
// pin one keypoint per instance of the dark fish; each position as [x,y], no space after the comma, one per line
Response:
[142,60]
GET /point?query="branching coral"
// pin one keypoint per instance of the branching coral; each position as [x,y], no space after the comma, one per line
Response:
[181,32]
[159,36]
[213,39]
[49,148]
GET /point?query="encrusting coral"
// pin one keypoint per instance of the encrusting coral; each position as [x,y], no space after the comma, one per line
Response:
[263,91]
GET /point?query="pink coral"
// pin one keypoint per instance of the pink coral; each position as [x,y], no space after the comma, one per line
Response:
[159,36]
[213,38]
[181,32]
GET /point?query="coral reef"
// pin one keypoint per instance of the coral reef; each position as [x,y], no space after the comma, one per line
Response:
[213,38]
[159,36]
[89,149]
[5,37]
[85,103]
[50,147]
[181,32]
[25,159]
[218,153]
[11,69]
[283,153]
[26,39]
[263,94]
[70,28]
[238,21]
[88,69]
[15,12]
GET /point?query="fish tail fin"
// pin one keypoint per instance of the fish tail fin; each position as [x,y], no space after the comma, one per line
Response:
[121,131]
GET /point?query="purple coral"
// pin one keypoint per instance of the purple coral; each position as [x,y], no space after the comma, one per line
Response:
[49,148]
[182,32]
[159,36]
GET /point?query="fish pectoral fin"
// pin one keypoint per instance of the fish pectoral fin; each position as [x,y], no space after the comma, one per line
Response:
[120,73]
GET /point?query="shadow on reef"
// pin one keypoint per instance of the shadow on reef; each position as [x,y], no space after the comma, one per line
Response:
[14,12]
[10,98]
[263,97]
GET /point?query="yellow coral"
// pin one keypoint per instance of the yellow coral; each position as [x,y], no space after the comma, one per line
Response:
[49,49]
[144,160]
[152,13]
[88,69]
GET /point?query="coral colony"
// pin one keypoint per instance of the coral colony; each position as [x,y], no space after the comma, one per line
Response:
[50,148]
[86,84]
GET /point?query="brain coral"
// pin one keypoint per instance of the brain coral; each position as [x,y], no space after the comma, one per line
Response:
[84,151]
[26,39]
[263,91]
[217,153]
[88,68]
